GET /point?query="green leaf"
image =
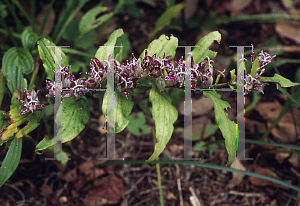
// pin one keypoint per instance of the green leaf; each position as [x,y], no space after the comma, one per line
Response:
[71,33]
[132,9]
[125,43]
[11,160]
[70,10]
[47,55]
[14,102]
[200,52]
[211,148]
[3,10]
[16,62]
[87,40]
[32,120]
[3,88]
[61,156]
[29,39]
[75,114]
[227,127]
[170,3]
[217,79]
[122,109]
[177,96]
[280,79]
[77,66]
[233,76]
[2,118]
[162,45]
[98,94]
[164,115]
[165,18]
[89,20]
[137,124]
[254,67]
[200,147]
[197,131]
[103,52]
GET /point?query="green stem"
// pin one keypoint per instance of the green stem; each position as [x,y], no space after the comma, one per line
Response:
[32,2]
[10,33]
[74,51]
[266,18]
[47,127]
[290,97]
[274,144]
[7,31]
[259,142]
[222,84]
[31,21]
[256,95]
[13,12]
[161,196]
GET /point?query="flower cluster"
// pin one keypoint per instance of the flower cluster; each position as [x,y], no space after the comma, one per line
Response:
[128,73]
[162,70]
[98,71]
[252,82]
[32,102]
[203,70]
[68,81]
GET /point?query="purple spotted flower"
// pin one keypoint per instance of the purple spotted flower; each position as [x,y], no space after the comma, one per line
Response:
[98,71]
[78,87]
[204,70]
[263,58]
[129,73]
[32,102]
[252,82]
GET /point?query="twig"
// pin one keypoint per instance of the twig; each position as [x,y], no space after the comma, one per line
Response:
[179,185]
[194,199]
[232,192]
[19,191]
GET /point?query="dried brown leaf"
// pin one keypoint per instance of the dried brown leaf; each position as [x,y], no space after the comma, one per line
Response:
[236,177]
[105,191]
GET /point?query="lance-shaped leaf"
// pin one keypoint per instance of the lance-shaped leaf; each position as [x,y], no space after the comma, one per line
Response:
[89,20]
[164,115]
[16,62]
[165,18]
[47,55]
[280,79]
[74,115]
[11,160]
[254,67]
[122,109]
[227,127]
[104,51]
[161,46]
[202,50]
